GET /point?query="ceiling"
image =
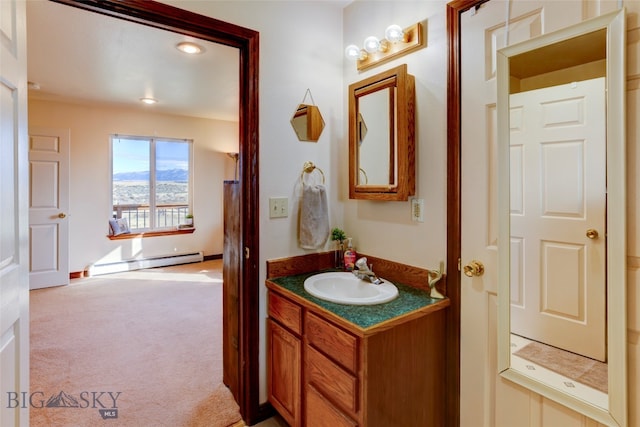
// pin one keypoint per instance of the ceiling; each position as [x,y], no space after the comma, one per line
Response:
[86,57]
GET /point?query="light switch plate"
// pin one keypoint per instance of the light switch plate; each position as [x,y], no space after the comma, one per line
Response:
[278,207]
[417,210]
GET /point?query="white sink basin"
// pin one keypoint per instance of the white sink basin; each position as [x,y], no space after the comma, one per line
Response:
[346,288]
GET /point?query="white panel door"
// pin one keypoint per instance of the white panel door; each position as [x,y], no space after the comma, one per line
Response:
[558,153]
[485,398]
[48,207]
[14,255]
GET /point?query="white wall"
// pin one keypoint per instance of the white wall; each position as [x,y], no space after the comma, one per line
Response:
[385,229]
[90,189]
[300,48]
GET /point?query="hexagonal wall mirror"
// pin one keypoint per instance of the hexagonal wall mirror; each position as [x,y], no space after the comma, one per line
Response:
[307,122]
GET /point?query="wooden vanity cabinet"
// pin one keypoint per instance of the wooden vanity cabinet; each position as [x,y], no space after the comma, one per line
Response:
[388,375]
[284,358]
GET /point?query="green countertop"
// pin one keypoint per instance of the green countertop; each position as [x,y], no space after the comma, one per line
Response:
[365,316]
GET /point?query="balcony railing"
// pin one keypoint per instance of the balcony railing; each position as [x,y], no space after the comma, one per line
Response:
[139,216]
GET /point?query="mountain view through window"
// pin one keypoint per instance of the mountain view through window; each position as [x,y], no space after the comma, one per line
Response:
[151,181]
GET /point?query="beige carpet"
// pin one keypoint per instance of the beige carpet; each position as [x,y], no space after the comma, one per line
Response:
[153,336]
[586,371]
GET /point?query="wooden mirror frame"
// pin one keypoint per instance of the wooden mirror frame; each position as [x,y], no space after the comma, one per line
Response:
[616,303]
[402,138]
[247,42]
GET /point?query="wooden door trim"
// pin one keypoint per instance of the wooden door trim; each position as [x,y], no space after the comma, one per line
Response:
[170,18]
[454,204]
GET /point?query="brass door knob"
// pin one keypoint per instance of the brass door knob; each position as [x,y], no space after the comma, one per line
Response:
[592,233]
[474,268]
[62,215]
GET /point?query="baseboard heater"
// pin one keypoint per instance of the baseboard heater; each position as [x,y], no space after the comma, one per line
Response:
[137,264]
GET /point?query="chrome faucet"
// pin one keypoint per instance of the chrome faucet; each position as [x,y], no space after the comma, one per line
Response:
[363,271]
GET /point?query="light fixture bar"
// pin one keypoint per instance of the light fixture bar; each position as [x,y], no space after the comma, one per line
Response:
[413,40]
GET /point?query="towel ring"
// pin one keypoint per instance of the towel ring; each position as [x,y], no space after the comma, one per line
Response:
[366,178]
[309,167]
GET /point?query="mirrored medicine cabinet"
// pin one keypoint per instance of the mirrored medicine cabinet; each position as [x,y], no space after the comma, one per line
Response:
[382,136]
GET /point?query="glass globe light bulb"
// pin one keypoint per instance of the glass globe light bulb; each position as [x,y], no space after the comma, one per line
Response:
[352,52]
[371,44]
[394,33]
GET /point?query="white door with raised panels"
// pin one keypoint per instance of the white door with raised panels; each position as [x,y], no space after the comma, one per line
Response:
[558,205]
[486,399]
[14,242]
[48,207]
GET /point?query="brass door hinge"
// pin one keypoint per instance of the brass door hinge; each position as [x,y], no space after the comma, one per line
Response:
[246,252]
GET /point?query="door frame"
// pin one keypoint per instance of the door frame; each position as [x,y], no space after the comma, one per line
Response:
[177,20]
[455,9]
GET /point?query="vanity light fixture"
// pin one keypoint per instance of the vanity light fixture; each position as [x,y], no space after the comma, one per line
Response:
[394,33]
[353,53]
[189,48]
[373,45]
[397,42]
[149,101]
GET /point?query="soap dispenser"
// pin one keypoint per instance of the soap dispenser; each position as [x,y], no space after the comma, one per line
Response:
[349,256]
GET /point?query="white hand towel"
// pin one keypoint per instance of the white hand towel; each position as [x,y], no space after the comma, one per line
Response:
[314,217]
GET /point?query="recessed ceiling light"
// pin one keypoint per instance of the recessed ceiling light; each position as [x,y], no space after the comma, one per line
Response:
[190,48]
[149,100]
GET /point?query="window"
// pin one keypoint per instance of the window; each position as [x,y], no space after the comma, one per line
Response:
[151,181]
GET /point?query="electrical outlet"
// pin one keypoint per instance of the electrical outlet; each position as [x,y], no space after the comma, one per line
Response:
[278,207]
[417,210]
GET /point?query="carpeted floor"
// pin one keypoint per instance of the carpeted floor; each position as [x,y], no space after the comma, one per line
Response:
[131,349]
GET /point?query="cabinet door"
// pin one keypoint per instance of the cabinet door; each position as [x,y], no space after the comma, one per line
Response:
[284,366]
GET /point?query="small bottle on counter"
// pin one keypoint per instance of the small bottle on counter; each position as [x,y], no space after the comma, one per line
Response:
[349,256]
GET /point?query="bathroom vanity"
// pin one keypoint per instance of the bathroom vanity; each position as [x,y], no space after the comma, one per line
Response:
[333,365]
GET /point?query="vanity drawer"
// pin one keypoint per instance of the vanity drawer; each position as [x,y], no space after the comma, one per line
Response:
[321,413]
[334,381]
[333,341]
[288,313]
